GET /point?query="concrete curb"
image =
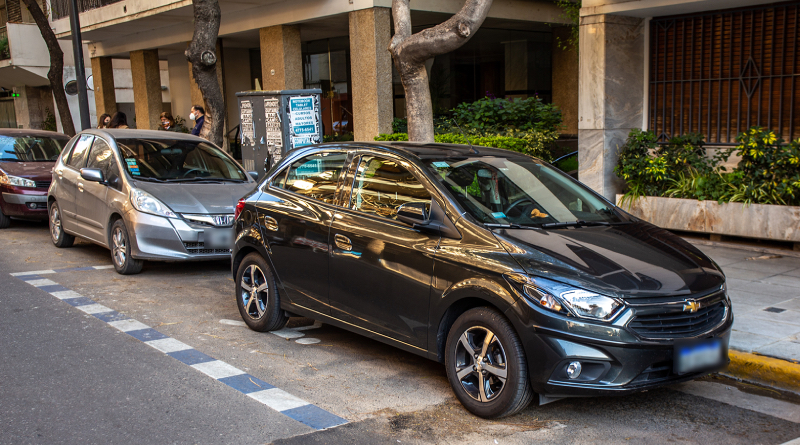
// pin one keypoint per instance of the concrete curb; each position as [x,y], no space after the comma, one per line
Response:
[782,374]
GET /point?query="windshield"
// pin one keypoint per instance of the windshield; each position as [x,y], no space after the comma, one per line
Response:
[31,149]
[519,191]
[177,160]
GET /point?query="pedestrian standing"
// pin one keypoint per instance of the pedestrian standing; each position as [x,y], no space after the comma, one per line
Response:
[168,122]
[104,120]
[119,120]
[198,115]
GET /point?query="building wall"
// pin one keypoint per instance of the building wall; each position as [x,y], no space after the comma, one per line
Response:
[237,79]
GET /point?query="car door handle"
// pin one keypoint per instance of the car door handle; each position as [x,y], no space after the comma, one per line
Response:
[60,172]
[343,242]
[80,186]
[271,224]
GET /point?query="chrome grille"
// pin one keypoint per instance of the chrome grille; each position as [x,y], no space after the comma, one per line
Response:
[675,323]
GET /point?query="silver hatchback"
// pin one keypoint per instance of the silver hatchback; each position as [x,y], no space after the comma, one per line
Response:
[146,195]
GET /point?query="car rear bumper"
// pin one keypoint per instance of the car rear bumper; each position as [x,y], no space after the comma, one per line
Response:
[168,239]
[19,203]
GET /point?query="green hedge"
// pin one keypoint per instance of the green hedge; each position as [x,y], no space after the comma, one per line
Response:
[533,143]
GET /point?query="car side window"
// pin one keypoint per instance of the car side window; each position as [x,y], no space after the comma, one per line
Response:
[102,157]
[316,176]
[279,180]
[77,159]
[382,185]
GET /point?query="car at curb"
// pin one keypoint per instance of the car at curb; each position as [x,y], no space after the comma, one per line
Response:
[26,160]
[146,195]
[527,285]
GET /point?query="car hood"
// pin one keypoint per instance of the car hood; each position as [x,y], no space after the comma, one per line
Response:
[633,260]
[197,198]
[30,170]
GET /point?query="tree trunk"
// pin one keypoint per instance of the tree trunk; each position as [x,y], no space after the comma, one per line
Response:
[202,54]
[56,73]
[410,51]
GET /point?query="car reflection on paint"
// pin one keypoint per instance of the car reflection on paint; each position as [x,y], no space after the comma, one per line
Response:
[524,283]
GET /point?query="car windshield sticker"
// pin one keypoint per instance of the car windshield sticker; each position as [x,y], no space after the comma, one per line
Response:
[499,215]
[441,164]
[133,167]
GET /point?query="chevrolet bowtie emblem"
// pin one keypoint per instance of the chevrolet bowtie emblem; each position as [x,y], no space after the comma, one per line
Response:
[691,306]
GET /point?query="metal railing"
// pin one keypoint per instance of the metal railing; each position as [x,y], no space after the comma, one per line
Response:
[61,7]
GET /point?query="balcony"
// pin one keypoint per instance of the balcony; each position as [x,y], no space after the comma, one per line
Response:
[61,7]
[27,59]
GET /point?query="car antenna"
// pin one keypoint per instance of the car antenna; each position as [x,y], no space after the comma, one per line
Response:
[471,148]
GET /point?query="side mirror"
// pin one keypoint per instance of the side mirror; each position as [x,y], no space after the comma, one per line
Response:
[267,163]
[413,213]
[92,174]
[253,175]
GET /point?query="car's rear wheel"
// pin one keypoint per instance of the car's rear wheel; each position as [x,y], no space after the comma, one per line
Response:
[4,220]
[486,364]
[121,250]
[257,296]
[58,236]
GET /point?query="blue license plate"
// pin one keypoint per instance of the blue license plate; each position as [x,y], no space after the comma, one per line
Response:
[698,356]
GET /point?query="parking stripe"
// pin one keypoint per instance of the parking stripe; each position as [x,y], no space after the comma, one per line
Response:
[259,390]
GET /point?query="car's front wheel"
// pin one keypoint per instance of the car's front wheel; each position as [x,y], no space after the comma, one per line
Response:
[256,295]
[486,364]
[124,264]
[59,237]
[5,221]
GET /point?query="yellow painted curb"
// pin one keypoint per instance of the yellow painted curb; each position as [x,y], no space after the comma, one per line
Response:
[767,370]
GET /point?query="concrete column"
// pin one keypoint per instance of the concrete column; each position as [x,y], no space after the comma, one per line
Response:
[371,72]
[34,107]
[146,76]
[611,92]
[281,58]
[103,74]
[565,80]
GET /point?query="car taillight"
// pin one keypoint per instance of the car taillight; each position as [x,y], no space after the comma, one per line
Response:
[239,208]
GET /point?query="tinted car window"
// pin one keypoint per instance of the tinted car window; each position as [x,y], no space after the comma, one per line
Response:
[382,185]
[102,156]
[279,181]
[316,176]
[31,149]
[77,158]
[177,160]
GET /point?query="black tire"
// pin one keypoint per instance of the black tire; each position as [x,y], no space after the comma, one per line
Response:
[58,236]
[503,355]
[4,220]
[257,296]
[120,245]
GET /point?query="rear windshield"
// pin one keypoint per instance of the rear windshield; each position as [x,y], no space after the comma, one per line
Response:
[177,160]
[30,148]
[521,191]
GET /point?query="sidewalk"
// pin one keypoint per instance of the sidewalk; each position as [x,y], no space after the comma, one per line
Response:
[765,291]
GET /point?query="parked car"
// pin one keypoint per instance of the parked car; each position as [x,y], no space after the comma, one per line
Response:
[519,279]
[146,195]
[26,159]
[568,164]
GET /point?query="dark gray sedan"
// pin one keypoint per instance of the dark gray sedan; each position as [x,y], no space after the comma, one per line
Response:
[146,195]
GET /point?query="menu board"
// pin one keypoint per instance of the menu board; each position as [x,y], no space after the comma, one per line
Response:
[247,128]
[304,122]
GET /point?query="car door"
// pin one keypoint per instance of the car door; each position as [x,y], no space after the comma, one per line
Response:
[295,212]
[93,202]
[381,268]
[67,183]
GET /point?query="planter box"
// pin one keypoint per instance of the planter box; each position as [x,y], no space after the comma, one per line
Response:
[781,223]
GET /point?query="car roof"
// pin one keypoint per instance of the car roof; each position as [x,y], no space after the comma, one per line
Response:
[117,133]
[427,150]
[22,132]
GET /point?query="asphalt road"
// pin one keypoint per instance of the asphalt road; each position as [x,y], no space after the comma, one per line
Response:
[70,377]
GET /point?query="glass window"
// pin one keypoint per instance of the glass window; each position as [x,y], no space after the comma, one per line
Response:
[316,176]
[102,156]
[77,158]
[383,185]
[31,149]
[279,181]
[171,160]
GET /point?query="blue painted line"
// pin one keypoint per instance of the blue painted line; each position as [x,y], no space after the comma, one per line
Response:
[53,288]
[82,301]
[30,277]
[191,357]
[73,269]
[315,417]
[245,383]
[146,334]
[111,316]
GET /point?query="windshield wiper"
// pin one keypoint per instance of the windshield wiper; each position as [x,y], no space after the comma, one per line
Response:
[507,226]
[201,179]
[581,223]
[147,178]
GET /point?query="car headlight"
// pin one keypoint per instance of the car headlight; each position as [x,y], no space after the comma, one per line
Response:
[16,181]
[568,300]
[147,203]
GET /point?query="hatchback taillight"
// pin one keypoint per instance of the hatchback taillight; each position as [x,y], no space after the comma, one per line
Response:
[239,208]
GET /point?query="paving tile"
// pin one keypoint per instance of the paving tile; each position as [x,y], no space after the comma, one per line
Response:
[783,280]
[789,317]
[746,274]
[793,273]
[773,266]
[781,349]
[747,342]
[761,288]
[742,308]
[777,330]
[755,298]
[793,304]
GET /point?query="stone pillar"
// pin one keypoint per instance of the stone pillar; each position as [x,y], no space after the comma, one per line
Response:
[371,72]
[103,75]
[146,76]
[565,80]
[611,93]
[281,58]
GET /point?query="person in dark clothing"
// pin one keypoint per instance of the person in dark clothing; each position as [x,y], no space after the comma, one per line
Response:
[119,120]
[168,122]
[198,115]
[104,120]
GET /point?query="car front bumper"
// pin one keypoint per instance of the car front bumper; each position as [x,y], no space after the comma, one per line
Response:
[169,239]
[25,203]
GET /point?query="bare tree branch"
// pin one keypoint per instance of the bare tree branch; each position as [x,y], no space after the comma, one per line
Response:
[56,73]
[202,54]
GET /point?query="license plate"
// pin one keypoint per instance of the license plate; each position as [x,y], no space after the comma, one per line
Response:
[218,238]
[698,356]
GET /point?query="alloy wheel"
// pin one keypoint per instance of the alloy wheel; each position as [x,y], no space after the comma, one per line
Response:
[254,292]
[118,247]
[480,364]
[55,223]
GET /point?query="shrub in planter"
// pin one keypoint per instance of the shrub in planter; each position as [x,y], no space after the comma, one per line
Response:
[770,169]
[531,143]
